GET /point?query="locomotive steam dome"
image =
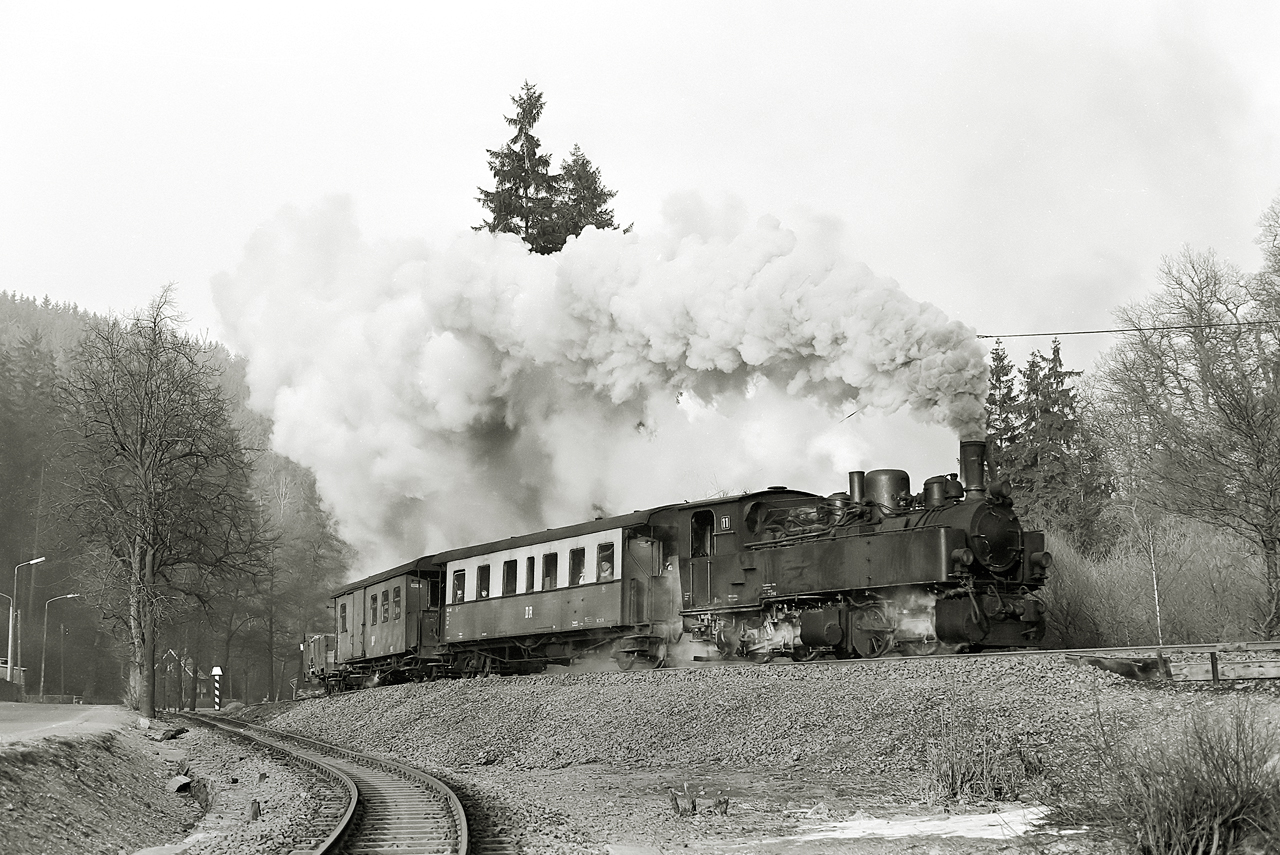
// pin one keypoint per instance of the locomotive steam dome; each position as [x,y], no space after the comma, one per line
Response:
[996,536]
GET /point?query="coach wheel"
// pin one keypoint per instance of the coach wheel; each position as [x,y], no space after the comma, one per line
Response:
[871,631]
[628,660]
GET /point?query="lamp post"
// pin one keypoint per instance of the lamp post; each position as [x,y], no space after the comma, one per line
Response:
[44,642]
[10,599]
[13,601]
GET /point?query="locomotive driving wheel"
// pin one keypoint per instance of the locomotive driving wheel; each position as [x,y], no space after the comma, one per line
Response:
[871,630]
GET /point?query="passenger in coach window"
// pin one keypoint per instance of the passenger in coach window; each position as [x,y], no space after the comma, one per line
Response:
[606,572]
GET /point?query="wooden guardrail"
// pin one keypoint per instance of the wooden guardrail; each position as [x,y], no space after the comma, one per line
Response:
[1205,662]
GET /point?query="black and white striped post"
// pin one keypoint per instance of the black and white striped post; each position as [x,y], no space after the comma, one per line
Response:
[216,671]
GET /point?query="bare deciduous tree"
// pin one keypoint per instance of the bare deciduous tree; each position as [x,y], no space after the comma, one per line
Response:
[1193,399]
[159,485]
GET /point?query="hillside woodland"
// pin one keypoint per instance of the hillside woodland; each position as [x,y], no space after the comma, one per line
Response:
[246,611]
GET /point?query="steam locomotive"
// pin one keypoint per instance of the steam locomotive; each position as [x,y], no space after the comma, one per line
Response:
[864,573]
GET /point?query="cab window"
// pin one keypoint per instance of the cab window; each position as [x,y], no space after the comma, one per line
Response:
[701,526]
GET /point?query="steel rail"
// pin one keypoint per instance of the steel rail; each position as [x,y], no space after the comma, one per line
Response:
[380,783]
[457,814]
[344,781]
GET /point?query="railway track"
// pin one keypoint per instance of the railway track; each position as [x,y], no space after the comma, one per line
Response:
[1144,651]
[389,806]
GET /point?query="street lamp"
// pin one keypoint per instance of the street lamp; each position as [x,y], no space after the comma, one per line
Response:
[10,599]
[44,642]
[13,601]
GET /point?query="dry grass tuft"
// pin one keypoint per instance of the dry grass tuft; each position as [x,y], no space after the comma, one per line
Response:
[971,765]
[1211,786]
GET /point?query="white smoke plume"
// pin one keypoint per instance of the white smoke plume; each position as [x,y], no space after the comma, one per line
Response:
[474,391]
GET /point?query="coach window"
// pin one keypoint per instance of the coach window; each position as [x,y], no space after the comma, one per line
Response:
[459,585]
[482,582]
[604,562]
[550,571]
[530,566]
[386,606]
[373,609]
[509,569]
[342,617]
[395,604]
[577,564]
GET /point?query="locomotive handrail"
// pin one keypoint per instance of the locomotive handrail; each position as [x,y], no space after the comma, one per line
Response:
[836,533]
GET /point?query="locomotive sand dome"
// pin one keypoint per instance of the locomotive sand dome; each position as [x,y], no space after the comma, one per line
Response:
[777,572]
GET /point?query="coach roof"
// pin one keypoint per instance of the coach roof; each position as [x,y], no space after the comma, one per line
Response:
[606,524]
[419,564]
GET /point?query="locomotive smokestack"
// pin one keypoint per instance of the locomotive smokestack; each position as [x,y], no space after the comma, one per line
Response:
[973,466]
[856,483]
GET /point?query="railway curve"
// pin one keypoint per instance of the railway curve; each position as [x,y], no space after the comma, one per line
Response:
[390,806]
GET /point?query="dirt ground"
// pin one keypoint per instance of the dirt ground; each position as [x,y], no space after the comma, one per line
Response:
[599,808]
[97,793]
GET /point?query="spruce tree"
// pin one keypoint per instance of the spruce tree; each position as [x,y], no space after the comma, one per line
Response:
[528,200]
[583,198]
[1002,401]
[523,198]
[1056,467]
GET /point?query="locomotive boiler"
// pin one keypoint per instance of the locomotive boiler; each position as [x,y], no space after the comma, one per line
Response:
[872,571]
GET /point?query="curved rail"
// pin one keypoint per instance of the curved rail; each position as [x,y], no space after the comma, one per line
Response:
[454,805]
[366,827]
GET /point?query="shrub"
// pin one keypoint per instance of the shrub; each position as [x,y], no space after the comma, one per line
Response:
[1212,786]
[970,764]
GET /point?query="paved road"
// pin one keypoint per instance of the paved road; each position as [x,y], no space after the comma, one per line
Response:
[27,722]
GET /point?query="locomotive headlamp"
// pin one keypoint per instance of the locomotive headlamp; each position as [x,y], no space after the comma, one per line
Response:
[1001,490]
[1042,559]
[963,556]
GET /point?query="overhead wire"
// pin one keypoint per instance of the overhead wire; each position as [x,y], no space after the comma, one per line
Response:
[1136,329]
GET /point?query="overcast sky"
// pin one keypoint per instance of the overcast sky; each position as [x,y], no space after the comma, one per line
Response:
[1023,166]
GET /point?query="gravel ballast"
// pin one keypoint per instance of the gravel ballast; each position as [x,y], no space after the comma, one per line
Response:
[866,717]
[578,762]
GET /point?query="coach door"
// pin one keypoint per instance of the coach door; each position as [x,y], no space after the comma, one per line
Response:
[431,596]
[702,547]
[638,572]
[350,620]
